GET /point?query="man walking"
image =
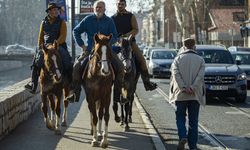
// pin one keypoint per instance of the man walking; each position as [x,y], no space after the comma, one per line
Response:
[187,91]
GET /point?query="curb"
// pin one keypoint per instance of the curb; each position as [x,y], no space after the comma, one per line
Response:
[150,128]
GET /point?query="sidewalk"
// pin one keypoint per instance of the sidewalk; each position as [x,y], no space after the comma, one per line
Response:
[32,134]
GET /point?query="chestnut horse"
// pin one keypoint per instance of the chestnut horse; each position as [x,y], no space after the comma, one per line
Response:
[53,83]
[130,81]
[97,82]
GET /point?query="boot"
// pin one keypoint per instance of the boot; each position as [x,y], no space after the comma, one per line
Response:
[77,71]
[76,92]
[32,86]
[148,85]
[181,144]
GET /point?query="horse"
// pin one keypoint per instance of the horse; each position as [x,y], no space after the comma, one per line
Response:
[53,84]
[130,81]
[97,82]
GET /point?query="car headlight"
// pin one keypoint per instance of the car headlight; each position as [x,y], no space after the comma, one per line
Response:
[242,76]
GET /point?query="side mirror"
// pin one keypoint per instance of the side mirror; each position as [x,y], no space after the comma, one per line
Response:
[238,62]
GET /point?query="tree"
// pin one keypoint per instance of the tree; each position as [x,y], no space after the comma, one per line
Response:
[20,21]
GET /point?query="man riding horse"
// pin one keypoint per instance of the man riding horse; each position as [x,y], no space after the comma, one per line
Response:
[92,24]
[52,28]
[126,25]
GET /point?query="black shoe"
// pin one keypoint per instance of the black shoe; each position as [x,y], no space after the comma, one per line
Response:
[150,86]
[31,87]
[181,144]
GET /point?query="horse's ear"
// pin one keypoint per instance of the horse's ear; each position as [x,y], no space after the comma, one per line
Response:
[110,36]
[96,38]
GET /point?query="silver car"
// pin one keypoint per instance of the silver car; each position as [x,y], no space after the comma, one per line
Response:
[160,61]
[244,62]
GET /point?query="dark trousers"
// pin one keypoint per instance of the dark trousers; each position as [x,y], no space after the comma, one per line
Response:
[192,107]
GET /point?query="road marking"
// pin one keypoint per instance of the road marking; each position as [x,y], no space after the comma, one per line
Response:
[151,130]
[209,135]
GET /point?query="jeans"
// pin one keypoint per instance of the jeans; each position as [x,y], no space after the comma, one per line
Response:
[192,106]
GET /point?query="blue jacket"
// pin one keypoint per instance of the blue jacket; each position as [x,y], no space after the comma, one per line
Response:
[91,25]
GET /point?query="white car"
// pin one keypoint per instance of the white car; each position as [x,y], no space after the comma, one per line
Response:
[19,49]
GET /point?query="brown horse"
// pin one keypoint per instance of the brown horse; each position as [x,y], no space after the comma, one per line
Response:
[53,84]
[97,82]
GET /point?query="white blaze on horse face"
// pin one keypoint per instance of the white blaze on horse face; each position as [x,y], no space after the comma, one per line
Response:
[55,63]
[105,66]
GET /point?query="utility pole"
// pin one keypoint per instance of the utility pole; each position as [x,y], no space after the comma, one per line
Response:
[72,27]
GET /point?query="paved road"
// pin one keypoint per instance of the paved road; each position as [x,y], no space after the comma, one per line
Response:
[230,125]
[33,135]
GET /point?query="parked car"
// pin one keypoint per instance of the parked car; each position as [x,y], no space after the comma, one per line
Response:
[148,50]
[160,61]
[223,78]
[18,49]
[238,48]
[243,58]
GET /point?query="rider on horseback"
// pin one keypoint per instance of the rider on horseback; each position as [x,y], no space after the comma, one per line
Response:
[52,28]
[92,24]
[126,25]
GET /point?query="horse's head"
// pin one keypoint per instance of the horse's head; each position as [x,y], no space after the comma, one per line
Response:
[126,53]
[102,55]
[53,61]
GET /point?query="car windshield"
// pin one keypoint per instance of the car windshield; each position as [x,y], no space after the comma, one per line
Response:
[243,49]
[163,55]
[243,58]
[216,56]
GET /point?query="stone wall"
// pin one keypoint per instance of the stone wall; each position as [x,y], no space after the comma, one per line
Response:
[16,105]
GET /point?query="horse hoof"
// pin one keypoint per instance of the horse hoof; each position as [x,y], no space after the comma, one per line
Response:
[50,126]
[122,123]
[130,119]
[104,144]
[126,129]
[94,143]
[117,119]
[99,136]
[64,124]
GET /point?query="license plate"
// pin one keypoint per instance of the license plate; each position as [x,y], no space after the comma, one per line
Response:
[218,87]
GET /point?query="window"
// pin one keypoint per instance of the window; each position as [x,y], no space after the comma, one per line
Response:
[238,16]
[231,2]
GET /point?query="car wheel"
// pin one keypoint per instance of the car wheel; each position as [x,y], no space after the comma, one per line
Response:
[241,98]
